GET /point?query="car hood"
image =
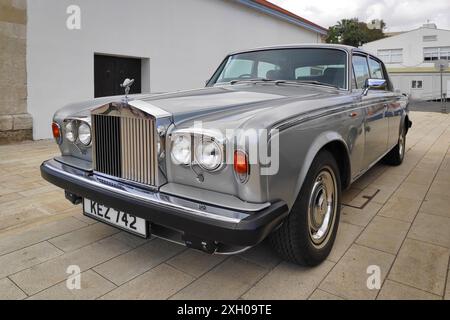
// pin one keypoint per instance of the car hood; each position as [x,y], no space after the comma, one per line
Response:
[218,106]
[255,105]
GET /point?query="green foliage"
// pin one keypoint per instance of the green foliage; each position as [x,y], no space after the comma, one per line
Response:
[354,33]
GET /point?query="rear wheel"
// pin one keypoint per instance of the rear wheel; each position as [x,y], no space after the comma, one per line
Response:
[395,156]
[307,236]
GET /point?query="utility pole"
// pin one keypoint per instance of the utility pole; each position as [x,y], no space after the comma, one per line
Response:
[442,65]
[441,69]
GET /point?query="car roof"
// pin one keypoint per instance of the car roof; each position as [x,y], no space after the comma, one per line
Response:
[349,49]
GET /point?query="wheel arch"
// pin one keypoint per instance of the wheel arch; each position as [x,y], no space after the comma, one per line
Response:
[336,145]
[340,152]
[407,123]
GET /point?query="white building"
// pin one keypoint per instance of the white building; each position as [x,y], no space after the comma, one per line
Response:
[80,49]
[410,58]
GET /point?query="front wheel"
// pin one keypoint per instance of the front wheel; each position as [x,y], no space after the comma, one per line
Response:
[307,236]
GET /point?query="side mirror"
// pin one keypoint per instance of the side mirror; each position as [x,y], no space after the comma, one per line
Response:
[374,84]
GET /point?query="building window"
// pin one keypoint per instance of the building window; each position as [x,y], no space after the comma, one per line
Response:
[417,84]
[429,38]
[391,55]
[436,53]
[445,53]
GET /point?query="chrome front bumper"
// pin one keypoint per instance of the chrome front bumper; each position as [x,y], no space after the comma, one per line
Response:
[190,218]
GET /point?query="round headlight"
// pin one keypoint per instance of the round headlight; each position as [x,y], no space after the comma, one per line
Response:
[209,154]
[181,150]
[71,132]
[84,133]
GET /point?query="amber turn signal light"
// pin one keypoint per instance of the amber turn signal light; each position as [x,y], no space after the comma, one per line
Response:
[241,165]
[56,129]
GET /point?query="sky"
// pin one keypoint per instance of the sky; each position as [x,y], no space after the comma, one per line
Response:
[399,15]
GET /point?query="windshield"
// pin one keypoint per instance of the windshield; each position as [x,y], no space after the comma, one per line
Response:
[320,66]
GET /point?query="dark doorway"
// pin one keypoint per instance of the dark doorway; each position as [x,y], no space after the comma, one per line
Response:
[110,72]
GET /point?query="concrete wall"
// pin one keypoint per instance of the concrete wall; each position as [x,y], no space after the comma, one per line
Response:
[184,41]
[15,123]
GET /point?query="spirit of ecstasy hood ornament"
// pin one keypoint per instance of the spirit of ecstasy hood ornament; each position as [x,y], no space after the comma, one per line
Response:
[127,85]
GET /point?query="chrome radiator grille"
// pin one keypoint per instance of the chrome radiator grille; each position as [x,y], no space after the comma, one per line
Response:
[125,148]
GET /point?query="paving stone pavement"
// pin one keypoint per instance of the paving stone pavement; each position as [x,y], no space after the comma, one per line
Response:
[404,230]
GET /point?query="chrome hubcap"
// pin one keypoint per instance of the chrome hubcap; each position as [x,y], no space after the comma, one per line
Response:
[322,207]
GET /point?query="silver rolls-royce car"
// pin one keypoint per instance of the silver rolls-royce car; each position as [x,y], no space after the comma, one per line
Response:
[263,151]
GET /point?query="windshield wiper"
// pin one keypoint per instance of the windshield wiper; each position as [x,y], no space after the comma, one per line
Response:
[251,80]
[277,82]
[310,82]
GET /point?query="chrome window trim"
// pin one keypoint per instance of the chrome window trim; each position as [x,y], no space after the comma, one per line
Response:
[346,89]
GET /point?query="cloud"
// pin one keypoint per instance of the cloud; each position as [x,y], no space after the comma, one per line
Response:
[400,15]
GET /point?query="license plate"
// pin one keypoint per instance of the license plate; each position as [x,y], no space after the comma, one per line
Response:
[115,217]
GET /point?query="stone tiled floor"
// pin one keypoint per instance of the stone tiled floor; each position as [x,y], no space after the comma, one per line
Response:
[404,229]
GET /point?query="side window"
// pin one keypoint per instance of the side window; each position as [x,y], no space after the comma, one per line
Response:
[265,67]
[361,70]
[376,71]
[237,68]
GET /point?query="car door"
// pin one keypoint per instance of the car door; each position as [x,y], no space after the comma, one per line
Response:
[393,108]
[376,125]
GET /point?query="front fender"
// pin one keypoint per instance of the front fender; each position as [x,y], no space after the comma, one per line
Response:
[296,162]
[318,144]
